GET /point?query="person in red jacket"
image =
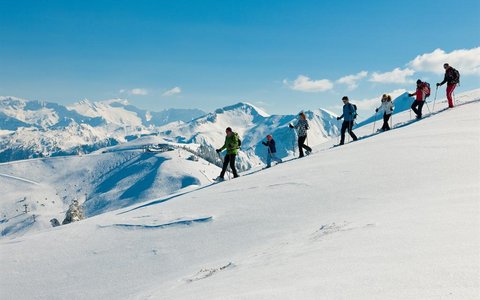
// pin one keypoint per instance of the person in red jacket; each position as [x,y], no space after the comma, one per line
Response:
[420,95]
[452,78]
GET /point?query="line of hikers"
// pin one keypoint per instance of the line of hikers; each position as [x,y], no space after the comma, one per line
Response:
[452,78]
[233,142]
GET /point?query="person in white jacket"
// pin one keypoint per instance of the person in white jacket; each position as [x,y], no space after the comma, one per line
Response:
[387,108]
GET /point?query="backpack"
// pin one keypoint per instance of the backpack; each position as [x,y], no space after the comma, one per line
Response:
[354,111]
[426,89]
[456,76]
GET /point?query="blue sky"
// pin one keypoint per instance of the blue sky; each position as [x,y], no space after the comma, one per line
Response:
[283,56]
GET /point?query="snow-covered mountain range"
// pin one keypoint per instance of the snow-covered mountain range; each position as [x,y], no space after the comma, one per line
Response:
[252,124]
[120,172]
[30,129]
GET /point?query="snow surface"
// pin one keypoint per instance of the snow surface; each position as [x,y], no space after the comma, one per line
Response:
[108,180]
[392,216]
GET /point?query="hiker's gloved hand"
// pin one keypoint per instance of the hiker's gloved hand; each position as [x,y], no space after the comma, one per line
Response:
[218,150]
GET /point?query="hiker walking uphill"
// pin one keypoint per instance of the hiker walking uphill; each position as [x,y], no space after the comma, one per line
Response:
[302,127]
[452,78]
[349,114]
[422,92]
[387,108]
[232,144]
[270,143]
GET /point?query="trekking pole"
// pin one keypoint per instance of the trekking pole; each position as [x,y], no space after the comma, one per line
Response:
[374,121]
[435,99]
[294,142]
[427,106]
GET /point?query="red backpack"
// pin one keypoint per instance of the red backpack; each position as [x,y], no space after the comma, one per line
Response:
[426,89]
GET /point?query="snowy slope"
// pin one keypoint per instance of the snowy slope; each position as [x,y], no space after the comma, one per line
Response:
[107,180]
[392,216]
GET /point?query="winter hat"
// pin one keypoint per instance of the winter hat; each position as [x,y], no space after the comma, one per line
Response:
[228,129]
[419,81]
[269,136]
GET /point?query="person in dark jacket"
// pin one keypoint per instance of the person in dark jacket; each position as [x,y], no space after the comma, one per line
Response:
[302,127]
[452,78]
[348,118]
[232,144]
[270,143]
[420,95]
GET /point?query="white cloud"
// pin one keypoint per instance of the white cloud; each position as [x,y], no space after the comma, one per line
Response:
[351,80]
[174,91]
[467,61]
[372,103]
[138,91]
[396,76]
[135,91]
[305,84]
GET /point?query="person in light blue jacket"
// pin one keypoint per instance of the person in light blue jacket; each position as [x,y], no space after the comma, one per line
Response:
[270,143]
[349,114]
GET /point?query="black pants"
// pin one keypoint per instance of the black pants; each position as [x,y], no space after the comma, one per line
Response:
[417,107]
[229,158]
[301,145]
[385,122]
[347,125]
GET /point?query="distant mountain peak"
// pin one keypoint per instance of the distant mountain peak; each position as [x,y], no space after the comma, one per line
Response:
[246,107]
[3,98]
[115,101]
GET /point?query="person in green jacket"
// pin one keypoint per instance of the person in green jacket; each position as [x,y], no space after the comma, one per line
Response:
[232,144]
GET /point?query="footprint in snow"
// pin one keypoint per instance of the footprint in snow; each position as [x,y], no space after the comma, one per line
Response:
[331,228]
[205,273]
